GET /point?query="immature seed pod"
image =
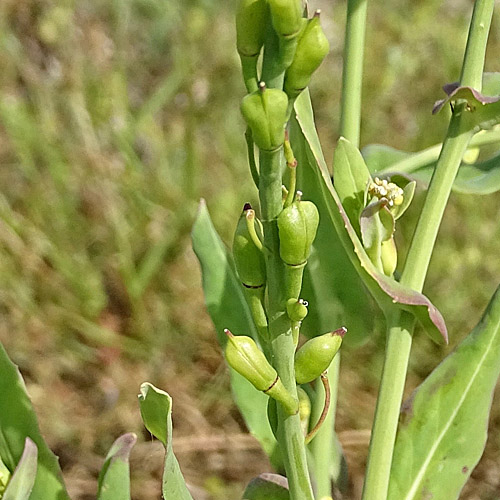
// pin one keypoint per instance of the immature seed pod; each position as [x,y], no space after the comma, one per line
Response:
[297,225]
[243,355]
[265,112]
[389,256]
[251,26]
[312,48]
[296,309]
[286,16]
[315,356]
[249,259]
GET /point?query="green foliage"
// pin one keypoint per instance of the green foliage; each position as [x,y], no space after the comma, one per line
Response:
[22,481]
[444,423]
[385,290]
[267,487]
[156,411]
[228,309]
[114,478]
[18,422]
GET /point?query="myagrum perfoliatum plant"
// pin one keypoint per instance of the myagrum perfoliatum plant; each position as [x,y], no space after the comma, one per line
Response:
[345,230]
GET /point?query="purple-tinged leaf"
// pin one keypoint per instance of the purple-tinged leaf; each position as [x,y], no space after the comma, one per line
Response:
[267,487]
[385,290]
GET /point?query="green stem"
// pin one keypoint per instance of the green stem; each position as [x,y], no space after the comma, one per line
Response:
[431,154]
[400,325]
[327,464]
[289,435]
[255,300]
[350,113]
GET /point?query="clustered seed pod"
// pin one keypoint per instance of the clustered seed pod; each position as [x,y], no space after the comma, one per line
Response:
[243,355]
[315,356]
[248,259]
[312,48]
[251,26]
[265,112]
[286,16]
[296,309]
[297,225]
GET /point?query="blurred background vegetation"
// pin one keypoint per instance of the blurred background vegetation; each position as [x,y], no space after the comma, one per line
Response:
[116,116]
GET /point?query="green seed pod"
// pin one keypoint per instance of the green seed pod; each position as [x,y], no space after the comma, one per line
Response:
[265,113]
[312,48]
[286,16]
[243,356]
[248,258]
[315,356]
[297,225]
[389,256]
[296,309]
[251,26]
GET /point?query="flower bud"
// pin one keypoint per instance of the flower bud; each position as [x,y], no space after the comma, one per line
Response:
[243,356]
[249,259]
[251,26]
[389,256]
[296,309]
[265,112]
[297,225]
[312,48]
[286,16]
[315,356]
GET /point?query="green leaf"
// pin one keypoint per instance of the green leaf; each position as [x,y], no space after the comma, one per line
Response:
[17,422]
[385,290]
[408,194]
[114,478]
[379,157]
[331,302]
[444,424]
[350,178]
[22,481]
[156,412]
[267,487]
[228,309]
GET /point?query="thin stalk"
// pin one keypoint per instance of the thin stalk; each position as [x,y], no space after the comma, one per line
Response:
[350,112]
[400,325]
[289,435]
[324,412]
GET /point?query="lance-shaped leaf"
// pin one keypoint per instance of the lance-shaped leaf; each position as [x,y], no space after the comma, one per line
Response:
[228,309]
[267,487]
[332,286]
[444,424]
[156,412]
[385,290]
[17,422]
[350,178]
[22,481]
[114,478]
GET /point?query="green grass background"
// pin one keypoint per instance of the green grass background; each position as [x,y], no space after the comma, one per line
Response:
[116,116]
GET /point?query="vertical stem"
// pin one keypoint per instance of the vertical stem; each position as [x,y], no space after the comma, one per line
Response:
[350,113]
[400,326]
[326,465]
[290,437]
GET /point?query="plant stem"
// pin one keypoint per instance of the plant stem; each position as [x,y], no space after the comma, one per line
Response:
[400,325]
[350,113]
[327,464]
[289,435]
